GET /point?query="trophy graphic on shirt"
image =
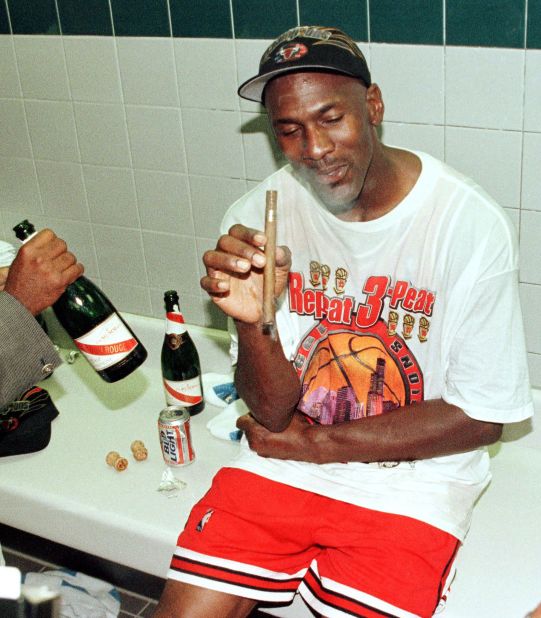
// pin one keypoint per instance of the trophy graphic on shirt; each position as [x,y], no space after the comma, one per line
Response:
[407,326]
[424,325]
[325,275]
[315,273]
[340,280]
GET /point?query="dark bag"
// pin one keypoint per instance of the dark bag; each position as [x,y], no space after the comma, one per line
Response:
[25,424]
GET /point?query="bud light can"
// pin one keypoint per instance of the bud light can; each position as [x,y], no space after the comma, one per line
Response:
[175,436]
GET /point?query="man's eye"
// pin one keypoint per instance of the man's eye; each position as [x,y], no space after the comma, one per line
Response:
[334,120]
[287,132]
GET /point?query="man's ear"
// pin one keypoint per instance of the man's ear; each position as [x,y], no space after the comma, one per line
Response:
[374,104]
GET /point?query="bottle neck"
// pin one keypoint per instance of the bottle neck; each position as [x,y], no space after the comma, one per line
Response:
[174,321]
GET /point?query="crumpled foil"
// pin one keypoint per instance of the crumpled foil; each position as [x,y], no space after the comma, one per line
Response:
[170,484]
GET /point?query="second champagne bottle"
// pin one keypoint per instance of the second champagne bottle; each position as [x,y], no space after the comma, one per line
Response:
[181,369]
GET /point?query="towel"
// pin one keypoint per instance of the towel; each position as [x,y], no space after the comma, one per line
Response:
[220,391]
[7,254]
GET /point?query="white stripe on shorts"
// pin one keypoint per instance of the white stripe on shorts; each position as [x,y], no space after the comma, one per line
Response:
[348,592]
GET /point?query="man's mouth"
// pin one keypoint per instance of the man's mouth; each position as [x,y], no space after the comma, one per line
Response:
[331,175]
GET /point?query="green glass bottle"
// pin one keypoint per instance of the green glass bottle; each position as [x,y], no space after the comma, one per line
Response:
[95,326]
[181,369]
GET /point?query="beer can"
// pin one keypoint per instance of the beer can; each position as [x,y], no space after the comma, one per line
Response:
[175,436]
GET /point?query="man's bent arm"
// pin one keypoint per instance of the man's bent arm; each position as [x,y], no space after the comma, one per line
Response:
[420,431]
[264,378]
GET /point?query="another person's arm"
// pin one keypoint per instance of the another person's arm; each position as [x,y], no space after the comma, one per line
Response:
[40,272]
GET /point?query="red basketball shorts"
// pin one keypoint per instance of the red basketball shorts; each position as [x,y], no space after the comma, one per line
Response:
[255,538]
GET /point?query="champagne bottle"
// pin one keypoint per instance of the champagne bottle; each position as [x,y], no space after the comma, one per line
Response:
[181,369]
[91,320]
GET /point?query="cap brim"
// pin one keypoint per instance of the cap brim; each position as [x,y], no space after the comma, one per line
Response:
[252,89]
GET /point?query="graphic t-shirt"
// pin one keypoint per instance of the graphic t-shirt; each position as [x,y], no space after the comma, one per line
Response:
[421,303]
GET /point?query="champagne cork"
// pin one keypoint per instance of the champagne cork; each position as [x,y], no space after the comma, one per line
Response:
[116,461]
[139,450]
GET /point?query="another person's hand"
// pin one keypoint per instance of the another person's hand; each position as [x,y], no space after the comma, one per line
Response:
[234,277]
[41,271]
[292,443]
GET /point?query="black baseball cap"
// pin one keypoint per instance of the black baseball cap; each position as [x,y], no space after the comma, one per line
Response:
[307,48]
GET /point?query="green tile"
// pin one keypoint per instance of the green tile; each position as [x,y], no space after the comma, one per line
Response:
[351,17]
[41,19]
[85,17]
[140,17]
[204,18]
[418,22]
[260,19]
[533,40]
[4,21]
[485,23]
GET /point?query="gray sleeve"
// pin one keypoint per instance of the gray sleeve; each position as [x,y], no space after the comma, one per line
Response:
[27,355]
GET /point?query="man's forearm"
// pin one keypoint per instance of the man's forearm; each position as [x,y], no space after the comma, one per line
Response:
[264,378]
[428,429]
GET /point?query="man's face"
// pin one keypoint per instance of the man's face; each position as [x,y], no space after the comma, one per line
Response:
[324,125]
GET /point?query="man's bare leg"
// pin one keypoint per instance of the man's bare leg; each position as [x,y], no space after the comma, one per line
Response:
[180,600]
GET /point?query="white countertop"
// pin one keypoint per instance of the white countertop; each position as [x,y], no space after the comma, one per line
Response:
[68,494]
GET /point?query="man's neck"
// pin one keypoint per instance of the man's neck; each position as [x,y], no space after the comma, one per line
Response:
[391,176]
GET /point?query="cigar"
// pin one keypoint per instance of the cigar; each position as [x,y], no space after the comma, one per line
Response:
[269,274]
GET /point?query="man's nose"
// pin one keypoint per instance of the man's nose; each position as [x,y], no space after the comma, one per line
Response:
[317,144]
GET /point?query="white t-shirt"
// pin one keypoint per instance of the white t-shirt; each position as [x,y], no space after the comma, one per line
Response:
[421,303]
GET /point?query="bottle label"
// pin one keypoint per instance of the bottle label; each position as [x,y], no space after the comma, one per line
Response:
[183,392]
[174,324]
[107,343]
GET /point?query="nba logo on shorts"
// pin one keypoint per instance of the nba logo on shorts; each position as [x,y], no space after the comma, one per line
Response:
[204,520]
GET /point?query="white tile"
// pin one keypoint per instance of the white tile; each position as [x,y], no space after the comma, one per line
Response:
[102,133]
[531,179]
[514,217]
[120,254]
[424,137]
[491,158]
[19,185]
[206,73]
[111,195]
[52,130]
[532,91]
[147,69]
[93,69]
[484,87]
[530,255]
[211,197]
[213,143]
[14,141]
[411,81]
[164,202]
[171,262]
[261,154]
[9,78]
[62,190]
[129,298]
[42,67]
[530,298]
[156,138]
[248,53]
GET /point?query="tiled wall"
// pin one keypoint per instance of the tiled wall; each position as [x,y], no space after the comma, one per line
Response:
[121,129]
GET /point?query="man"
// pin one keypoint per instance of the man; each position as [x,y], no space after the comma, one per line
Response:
[399,356]
[39,274]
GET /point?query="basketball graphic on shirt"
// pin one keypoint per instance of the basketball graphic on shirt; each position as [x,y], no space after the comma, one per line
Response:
[349,373]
